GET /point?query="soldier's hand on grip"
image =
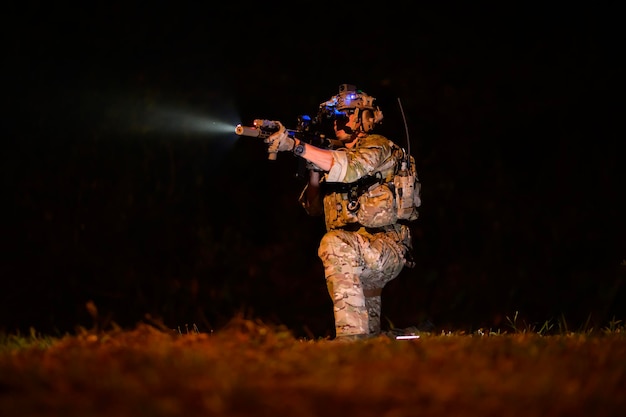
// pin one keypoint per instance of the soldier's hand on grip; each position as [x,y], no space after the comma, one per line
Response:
[280,141]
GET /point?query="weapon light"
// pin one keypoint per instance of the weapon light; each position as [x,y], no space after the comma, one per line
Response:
[147,117]
[179,121]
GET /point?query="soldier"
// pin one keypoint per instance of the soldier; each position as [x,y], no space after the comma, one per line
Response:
[366,245]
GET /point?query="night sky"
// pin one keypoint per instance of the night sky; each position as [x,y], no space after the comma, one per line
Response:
[125,184]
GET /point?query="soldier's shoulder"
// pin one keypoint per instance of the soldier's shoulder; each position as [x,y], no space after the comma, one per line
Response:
[381,142]
[376,139]
[376,136]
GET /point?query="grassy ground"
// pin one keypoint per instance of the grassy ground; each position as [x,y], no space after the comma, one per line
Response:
[249,369]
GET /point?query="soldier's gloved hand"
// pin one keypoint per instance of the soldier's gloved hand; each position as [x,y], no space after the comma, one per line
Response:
[280,141]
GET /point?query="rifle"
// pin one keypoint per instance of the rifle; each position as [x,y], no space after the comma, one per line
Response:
[263,128]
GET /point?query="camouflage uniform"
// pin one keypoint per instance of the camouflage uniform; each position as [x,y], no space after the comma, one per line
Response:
[364,248]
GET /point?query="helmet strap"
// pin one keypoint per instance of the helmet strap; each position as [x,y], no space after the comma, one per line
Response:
[358,119]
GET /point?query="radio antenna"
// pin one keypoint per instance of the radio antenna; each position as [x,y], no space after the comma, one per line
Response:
[406,130]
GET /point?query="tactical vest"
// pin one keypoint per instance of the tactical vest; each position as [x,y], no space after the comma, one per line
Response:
[392,193]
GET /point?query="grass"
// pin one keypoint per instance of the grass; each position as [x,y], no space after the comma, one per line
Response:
[518,325]
[252,369]
[17,341]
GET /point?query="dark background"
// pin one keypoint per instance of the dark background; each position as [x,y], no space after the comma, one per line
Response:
[119,190]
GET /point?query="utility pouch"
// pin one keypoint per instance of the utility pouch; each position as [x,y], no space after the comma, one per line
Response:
[407,189]
[336,211]
[376,207]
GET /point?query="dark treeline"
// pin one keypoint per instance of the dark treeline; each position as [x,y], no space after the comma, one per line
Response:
[196,229]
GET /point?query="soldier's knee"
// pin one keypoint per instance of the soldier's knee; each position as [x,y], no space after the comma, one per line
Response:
[336,243]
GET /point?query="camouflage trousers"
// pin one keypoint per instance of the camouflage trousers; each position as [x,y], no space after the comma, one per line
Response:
[357,265]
